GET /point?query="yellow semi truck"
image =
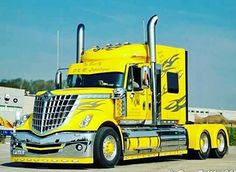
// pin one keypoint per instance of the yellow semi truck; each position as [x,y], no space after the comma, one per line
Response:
[122,102]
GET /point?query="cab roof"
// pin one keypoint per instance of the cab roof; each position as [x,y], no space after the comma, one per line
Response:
[114,58]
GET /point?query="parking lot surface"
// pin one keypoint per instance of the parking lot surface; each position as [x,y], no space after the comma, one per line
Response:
[167,164]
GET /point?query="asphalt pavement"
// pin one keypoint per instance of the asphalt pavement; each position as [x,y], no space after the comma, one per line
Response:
[167,164]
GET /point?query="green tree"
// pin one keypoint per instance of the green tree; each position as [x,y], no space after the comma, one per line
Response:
[33,86]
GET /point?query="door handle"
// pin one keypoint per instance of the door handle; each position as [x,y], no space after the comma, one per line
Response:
[144,105]
[149,106]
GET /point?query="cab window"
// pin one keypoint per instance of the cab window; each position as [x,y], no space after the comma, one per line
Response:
[134,79]
[173,82]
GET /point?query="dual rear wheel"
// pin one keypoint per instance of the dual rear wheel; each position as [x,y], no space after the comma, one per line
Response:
[222,147]
[205,146]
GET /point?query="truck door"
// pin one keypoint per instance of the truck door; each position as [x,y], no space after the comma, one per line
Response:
[136,96]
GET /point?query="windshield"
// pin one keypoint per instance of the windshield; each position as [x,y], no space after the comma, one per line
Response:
[112,80]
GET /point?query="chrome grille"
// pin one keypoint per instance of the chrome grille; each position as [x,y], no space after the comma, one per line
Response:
[51,111]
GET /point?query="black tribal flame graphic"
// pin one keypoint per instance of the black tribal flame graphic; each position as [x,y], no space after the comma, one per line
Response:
[176,105]
[164,90]
[167,65]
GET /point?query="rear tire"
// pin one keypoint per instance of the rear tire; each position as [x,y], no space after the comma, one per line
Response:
[205,146]
[222,147]
[107,148]
[204,151]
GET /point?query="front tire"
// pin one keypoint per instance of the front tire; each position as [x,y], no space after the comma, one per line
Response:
[107,147]
[222,147]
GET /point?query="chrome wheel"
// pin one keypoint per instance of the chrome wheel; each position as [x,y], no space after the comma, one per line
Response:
[109,148]
[222,146]
[204,143]
[220,142]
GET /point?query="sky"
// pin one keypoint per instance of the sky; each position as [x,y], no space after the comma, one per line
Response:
[206,28]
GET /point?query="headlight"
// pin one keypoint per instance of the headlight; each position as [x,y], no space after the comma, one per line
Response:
[86,121]
[22,120]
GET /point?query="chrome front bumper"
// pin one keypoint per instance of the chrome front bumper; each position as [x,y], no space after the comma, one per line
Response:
[55,148]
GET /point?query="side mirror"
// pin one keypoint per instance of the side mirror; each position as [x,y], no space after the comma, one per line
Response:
[145,77]
[58,80]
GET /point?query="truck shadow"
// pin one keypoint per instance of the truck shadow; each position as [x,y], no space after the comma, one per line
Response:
[48,166]
[88,166]
[151,160]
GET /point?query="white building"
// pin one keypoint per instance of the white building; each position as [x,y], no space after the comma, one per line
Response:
[205,112]
[14,103]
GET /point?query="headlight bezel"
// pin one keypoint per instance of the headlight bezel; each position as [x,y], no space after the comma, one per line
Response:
[22,120]
[85,122]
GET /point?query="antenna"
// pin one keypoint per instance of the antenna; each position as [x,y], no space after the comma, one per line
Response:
[58,49]
[144,32]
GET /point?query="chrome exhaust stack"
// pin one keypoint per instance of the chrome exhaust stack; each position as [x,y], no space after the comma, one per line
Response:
[152,53]
[80,43]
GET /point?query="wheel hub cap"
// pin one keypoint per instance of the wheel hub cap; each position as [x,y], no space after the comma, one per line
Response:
[204,143]
[220,142]
[109,148]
